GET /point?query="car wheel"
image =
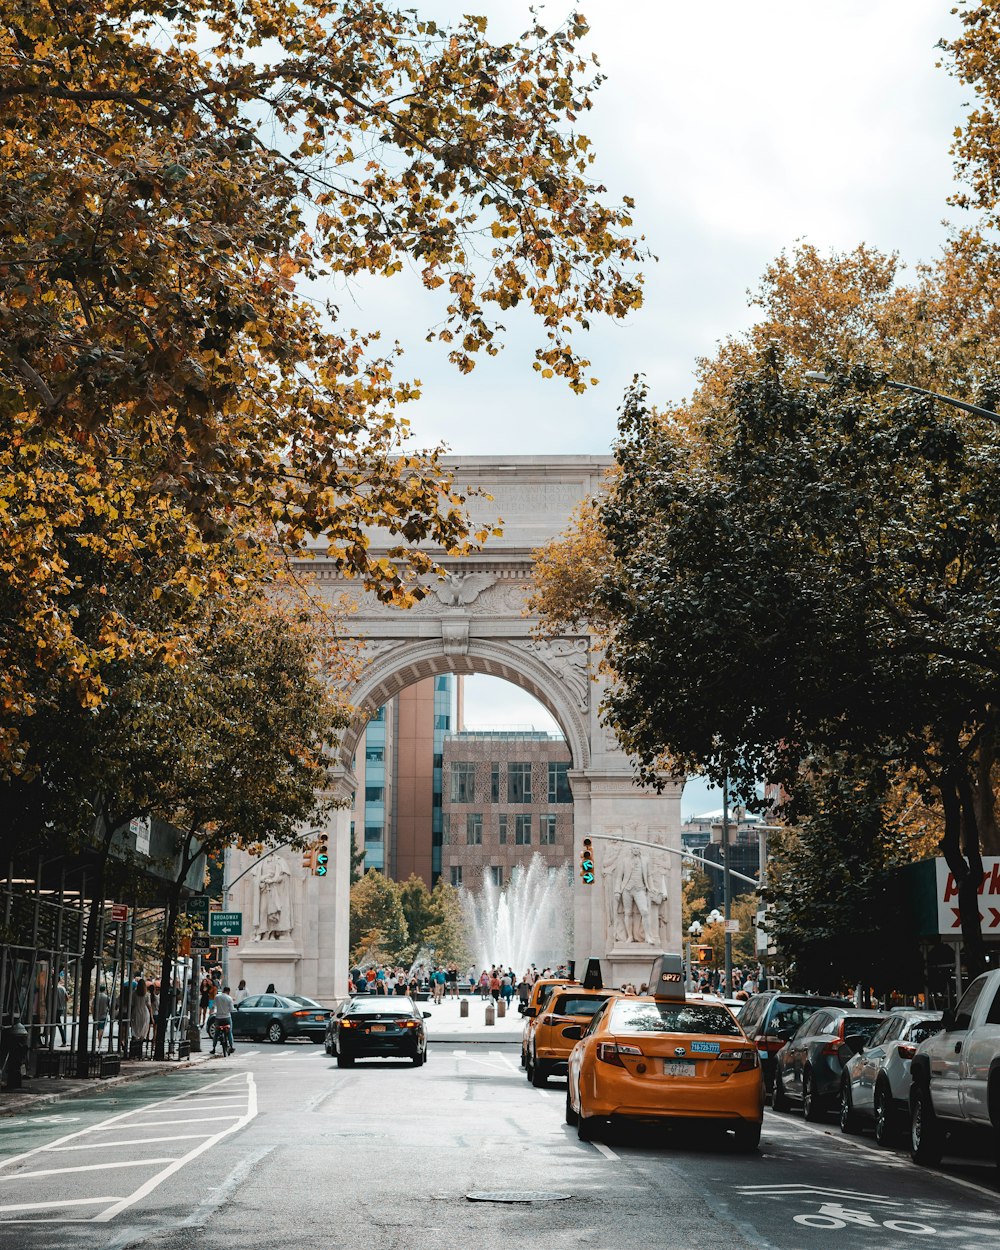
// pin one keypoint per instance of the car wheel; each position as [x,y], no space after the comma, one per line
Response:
[812,1105]
[884,1118]
[418,1059]
[327,1047]
[747,1136]
[926,1136]
[275,1032]
[210,1030]
[588,1127]
[779,1099]
[524,1058]
[345,1061]
[848,1118]
[539,1074]
[571,1116]
[529,1069]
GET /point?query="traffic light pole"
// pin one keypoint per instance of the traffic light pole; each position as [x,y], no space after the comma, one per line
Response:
[727,887]
[657,846]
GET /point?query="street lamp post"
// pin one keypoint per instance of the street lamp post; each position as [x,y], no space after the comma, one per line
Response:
[727,887]
[816,375]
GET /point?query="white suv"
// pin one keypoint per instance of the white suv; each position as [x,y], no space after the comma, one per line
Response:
[875,1085]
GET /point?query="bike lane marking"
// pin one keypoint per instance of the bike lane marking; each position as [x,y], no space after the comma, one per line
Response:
[128,1121]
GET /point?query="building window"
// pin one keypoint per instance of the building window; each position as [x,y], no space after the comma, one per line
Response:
[474,829]
[456,874]
[518,783]
[463,782]
[442,722]
[502,822]
[559,791]
[374,794]
[496,874]
[374,755]
[379,715]
[494,783]
[522,830]
[373,833]
[547,830]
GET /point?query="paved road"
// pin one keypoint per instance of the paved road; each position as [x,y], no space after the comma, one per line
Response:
[277,1147]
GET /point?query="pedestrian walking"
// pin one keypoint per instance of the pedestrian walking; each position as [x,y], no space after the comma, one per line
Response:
[241,992]
[138,1013]
[101,1008]
[60,1012]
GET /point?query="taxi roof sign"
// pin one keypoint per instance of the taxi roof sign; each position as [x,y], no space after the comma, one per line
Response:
[666,978]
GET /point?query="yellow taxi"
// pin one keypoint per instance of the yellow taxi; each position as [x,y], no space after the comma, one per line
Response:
[568,1006]
[665,1059]
[541,992]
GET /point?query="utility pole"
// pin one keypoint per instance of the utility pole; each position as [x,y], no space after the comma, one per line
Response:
[727,887]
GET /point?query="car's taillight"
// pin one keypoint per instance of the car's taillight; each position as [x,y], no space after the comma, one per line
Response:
[832,1048]
[771,1044]
[301,1013]
[906,1051]
[347,1024]
[611,1052]
[408,1024]
[748,1059]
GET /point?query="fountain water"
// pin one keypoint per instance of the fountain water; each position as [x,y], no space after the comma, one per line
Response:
[528,921]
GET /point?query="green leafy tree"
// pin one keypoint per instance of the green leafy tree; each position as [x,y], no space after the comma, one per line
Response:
[447,935]
[419,911]
[377,921]
[832,908]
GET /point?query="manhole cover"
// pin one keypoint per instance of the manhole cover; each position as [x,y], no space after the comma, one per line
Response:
[519,1195]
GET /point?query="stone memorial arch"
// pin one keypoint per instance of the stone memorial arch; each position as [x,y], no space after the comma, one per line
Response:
[473,621]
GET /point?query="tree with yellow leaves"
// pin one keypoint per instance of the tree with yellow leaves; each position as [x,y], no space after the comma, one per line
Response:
[171,176]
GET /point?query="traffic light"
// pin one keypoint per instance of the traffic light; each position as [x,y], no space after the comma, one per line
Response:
[701,954]
[309,857]
[587,863]
[321,855]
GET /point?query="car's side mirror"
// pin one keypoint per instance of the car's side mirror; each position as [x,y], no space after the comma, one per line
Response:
[948,1020]
[529,1012]
[574,1032]
[426,1015]
[855,1043]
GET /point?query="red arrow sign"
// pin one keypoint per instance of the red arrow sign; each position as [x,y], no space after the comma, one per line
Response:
[995,917]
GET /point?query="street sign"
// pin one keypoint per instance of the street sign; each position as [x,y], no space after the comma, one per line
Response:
[197,906]
[201,944]
[184,946]
[232,941]
[949,915]
[225,923]
[733,925]
[119,913]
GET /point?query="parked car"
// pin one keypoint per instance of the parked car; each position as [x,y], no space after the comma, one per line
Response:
[811,1063]
[875,1085]
[275,1017]
[955,1075]
[680,1063]
[771,1017]
[378,1026]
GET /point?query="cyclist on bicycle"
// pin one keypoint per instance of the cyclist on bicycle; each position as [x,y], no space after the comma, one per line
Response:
[223,1030]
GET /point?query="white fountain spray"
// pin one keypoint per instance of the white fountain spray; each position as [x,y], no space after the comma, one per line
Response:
[528,921]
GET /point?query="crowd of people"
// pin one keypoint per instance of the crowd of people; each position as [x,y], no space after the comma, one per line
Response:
[442,981]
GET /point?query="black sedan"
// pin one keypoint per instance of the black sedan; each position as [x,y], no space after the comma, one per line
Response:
[377,1026]
[275,1017]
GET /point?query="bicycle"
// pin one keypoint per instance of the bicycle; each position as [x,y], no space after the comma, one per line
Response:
[224,1034]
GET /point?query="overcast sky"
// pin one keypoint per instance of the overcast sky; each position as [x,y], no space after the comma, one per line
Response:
[738,128]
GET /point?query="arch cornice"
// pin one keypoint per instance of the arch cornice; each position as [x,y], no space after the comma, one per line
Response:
[519,662]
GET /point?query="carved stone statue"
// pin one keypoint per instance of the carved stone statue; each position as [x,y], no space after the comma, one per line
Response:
[639,922]
[273,905]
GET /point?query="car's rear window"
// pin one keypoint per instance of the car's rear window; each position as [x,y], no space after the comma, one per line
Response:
[640,1017]
[789,1015]
[381,1006]
[923,1029]
[862,1026]
[578,1005]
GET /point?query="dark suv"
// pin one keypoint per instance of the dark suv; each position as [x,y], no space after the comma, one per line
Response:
[769,1019]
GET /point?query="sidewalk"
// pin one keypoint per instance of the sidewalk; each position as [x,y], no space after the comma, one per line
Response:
[41,1091]
[447,1025]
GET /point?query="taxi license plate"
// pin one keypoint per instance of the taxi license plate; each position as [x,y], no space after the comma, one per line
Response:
[678,1067]
[378,1028]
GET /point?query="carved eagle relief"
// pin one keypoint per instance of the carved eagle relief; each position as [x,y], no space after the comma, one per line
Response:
[458,590]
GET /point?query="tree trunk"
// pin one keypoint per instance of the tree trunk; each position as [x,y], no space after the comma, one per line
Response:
[968,885]
[984,794]
[89,955]
[969,889]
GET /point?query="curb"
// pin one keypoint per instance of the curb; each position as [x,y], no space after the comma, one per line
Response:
[19,1102]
